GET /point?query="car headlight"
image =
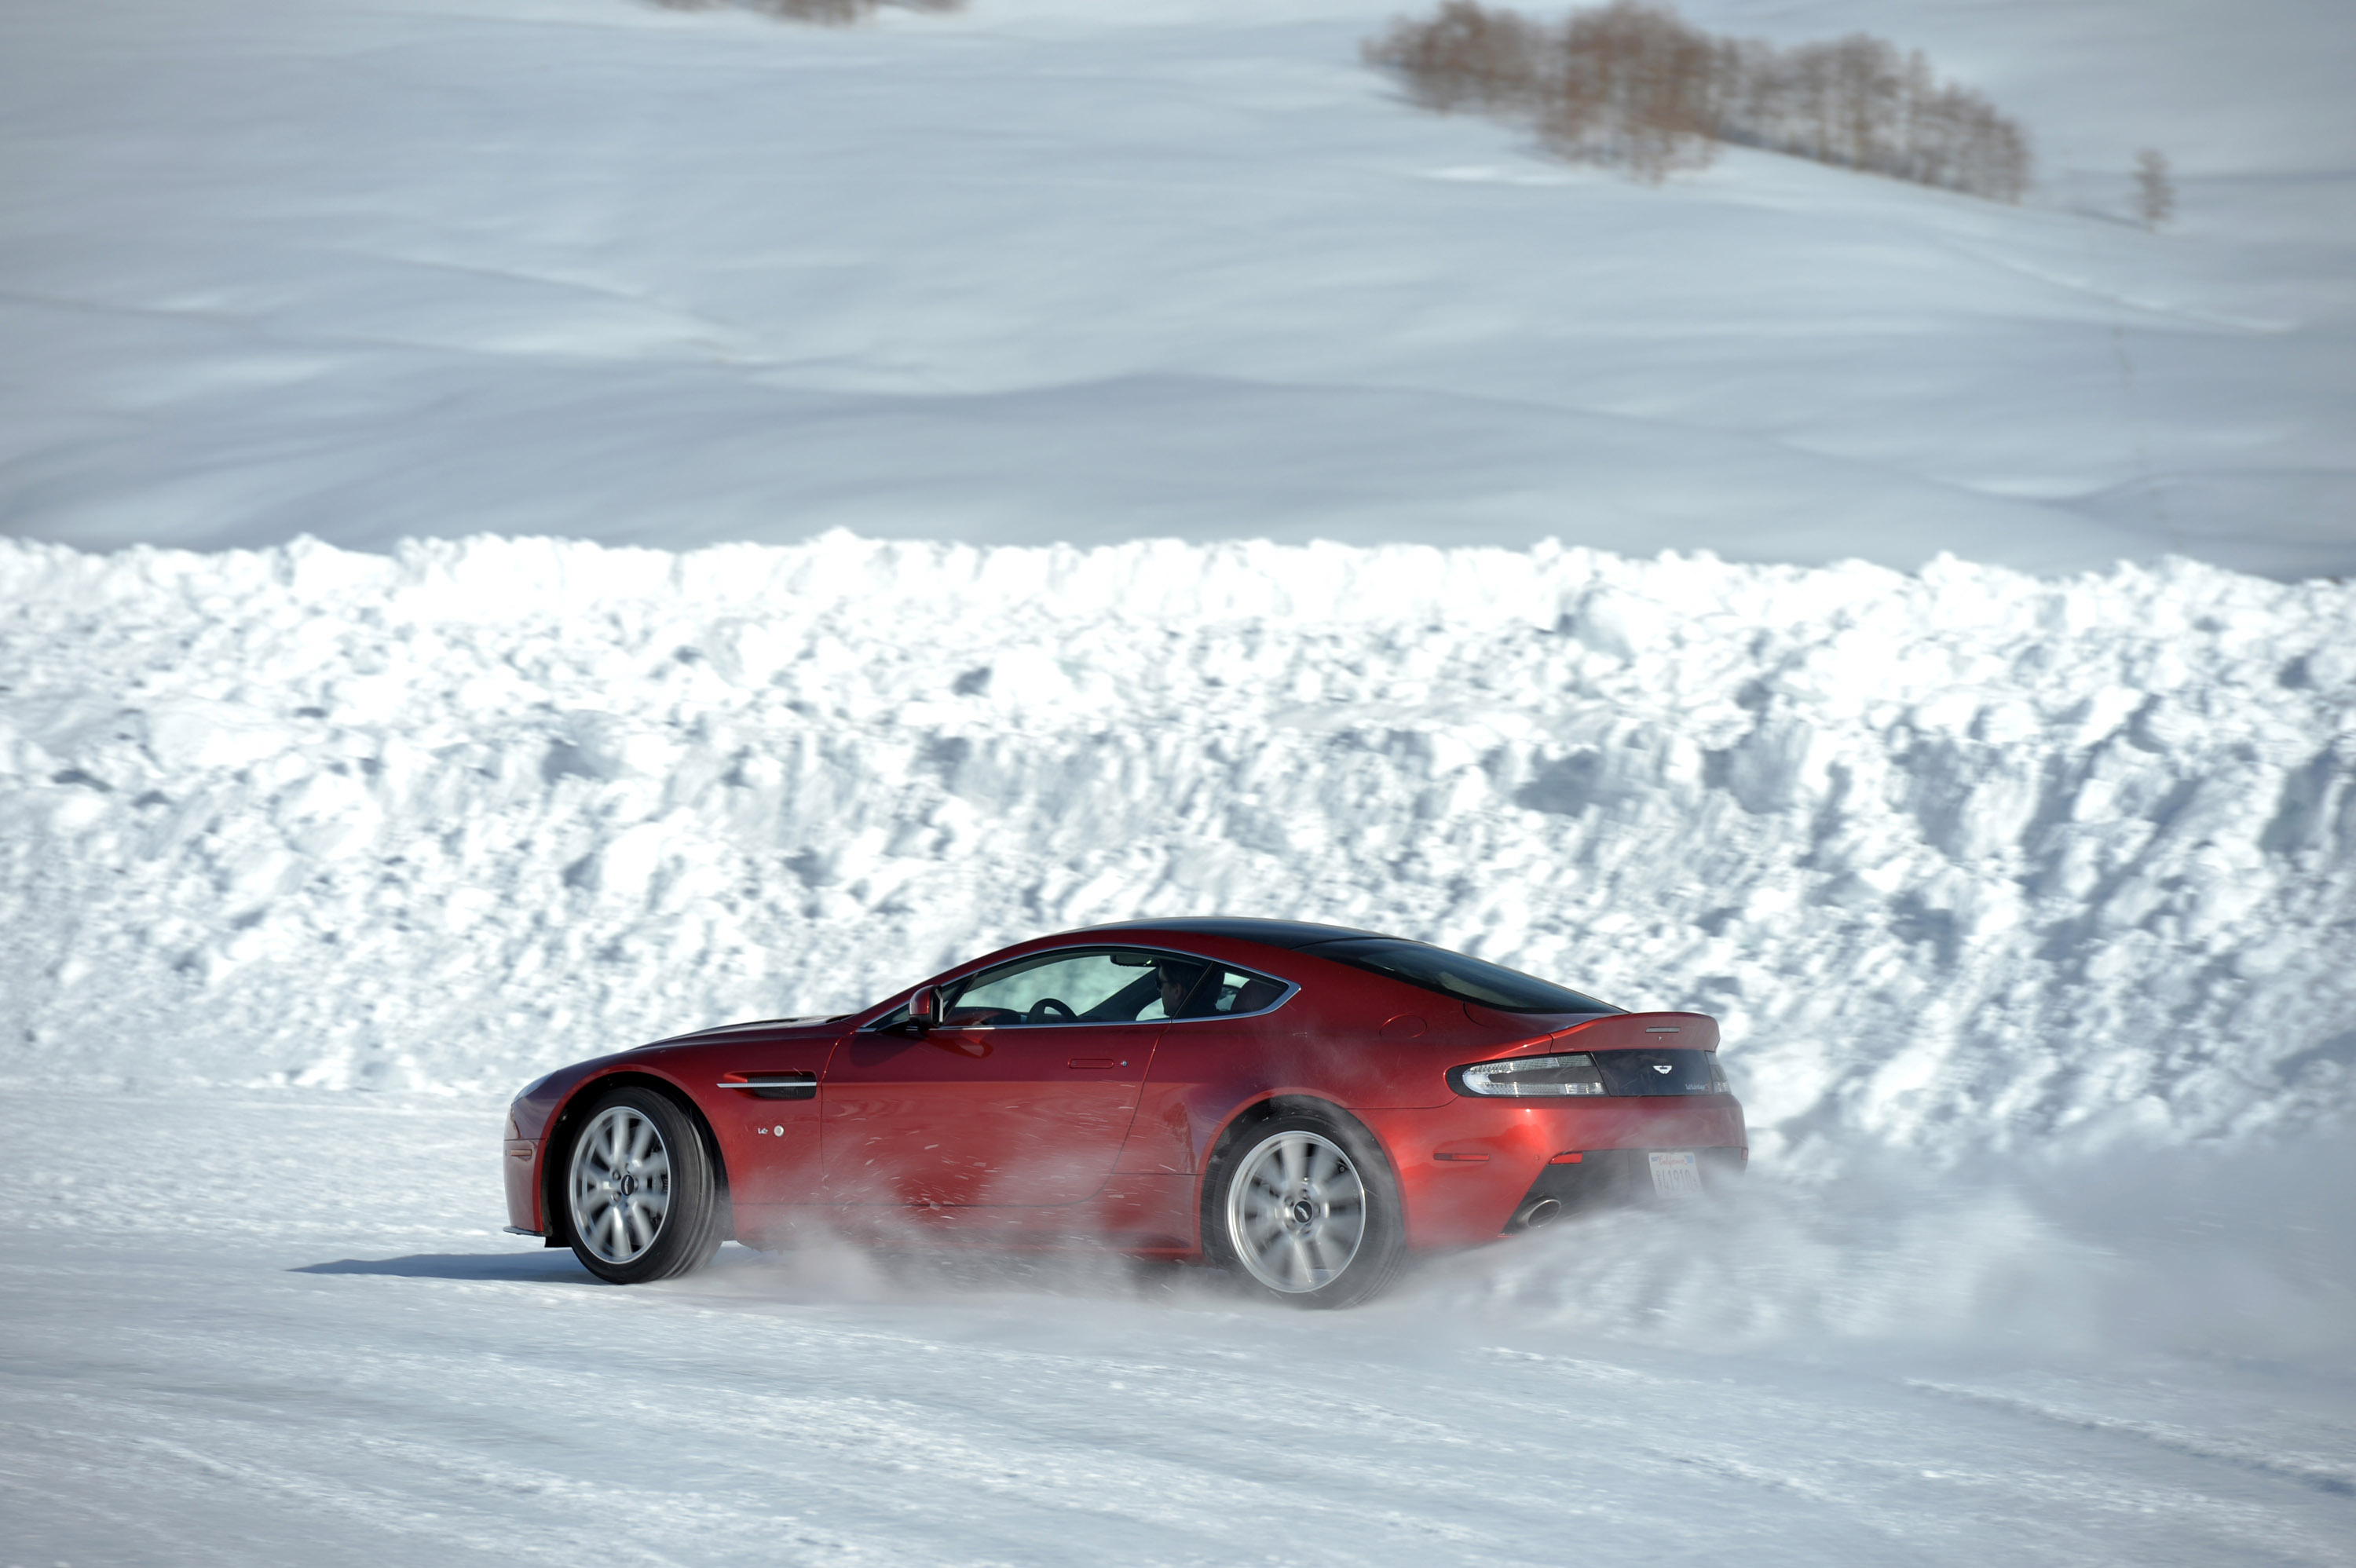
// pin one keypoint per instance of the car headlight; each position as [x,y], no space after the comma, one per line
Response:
[534,1087]
[1528,1076]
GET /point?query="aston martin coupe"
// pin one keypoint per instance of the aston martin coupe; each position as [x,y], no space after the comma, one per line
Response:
[1302,1105]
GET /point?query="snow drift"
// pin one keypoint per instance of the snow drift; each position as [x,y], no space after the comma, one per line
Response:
[1966,861]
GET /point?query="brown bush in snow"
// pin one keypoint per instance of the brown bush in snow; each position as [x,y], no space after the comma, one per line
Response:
[1634,84]
[1466,56]
[833,13]
[2155,192]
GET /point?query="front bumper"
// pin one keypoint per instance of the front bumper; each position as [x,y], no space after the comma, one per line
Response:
[522,1165]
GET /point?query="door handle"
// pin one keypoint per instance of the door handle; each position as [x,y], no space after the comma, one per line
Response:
[1094,1061]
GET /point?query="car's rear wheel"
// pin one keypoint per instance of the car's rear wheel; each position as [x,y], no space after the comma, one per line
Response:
[640,1189]
[1301,1208]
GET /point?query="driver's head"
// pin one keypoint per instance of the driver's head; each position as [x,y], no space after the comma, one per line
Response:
[1176,980]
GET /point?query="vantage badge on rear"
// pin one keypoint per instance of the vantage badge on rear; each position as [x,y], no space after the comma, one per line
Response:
[1676,1174]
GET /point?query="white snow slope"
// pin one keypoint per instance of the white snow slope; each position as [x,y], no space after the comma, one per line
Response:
[1092,269]
[2029,903]
[2028,907]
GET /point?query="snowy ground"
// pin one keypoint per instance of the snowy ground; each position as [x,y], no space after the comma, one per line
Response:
[2029,903]
[314,1348]
[1065,270]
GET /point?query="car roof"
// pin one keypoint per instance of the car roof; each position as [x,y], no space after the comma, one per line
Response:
[1287,934]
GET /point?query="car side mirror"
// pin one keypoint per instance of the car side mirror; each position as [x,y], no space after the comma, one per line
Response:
[924,1008]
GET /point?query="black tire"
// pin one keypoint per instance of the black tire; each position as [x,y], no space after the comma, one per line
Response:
[1301,1208]
[641,1195]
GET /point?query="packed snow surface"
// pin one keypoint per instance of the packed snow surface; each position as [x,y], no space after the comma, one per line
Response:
[1093,270]
[280,1328]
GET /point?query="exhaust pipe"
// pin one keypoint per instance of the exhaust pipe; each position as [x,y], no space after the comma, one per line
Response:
[1538,1215]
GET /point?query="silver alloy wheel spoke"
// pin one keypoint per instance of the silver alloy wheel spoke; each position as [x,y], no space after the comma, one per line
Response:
[1297,1212]
[621,1184]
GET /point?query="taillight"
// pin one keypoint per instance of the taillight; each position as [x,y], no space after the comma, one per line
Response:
[1527,1077]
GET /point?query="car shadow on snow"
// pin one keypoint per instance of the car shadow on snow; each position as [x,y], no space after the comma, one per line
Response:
[834,1273]
[554,1267]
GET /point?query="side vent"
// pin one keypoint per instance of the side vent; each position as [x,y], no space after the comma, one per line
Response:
[773,1085]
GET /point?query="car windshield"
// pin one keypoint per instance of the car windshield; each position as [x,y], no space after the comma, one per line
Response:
[1455,974]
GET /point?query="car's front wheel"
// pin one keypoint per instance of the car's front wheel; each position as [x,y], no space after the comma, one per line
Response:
[1301,1206]
[641,1193]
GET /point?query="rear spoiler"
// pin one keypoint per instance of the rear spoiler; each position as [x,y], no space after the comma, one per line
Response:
[1630,1032]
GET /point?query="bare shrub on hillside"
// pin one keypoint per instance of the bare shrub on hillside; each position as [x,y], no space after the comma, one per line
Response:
[825,12]
[1633,84]
[1858,103]
[2155,192]
[1466,56]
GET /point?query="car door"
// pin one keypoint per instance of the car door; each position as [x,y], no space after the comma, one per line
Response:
[1020,1096]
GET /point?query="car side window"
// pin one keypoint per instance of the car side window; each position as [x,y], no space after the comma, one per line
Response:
[1055,988]
[1100,986]
[1228,991]
[1203,990]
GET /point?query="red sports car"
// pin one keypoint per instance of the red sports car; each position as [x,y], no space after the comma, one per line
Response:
[1302,1104]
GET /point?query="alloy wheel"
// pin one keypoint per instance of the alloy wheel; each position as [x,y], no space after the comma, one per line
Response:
[1297,1212]
[621,1184]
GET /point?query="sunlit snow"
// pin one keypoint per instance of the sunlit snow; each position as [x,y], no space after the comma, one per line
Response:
[1062,461]
[1966,862]
[2025,906]
[1079,270]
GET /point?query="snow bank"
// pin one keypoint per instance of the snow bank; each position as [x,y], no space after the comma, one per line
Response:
[1968,862]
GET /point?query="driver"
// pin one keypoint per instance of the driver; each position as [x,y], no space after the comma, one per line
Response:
[1176,979]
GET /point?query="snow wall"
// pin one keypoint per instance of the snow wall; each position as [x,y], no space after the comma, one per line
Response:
[1967,862]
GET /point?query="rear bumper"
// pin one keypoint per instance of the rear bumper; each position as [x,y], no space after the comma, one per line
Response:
[1465,1169]
[1606,1178]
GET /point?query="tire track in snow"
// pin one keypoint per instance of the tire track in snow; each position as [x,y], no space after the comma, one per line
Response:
[2305,1469]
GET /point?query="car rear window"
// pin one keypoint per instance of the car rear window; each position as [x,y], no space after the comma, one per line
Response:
[1466,978]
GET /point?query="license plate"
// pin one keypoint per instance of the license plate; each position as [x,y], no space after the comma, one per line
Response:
[1677,1175]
